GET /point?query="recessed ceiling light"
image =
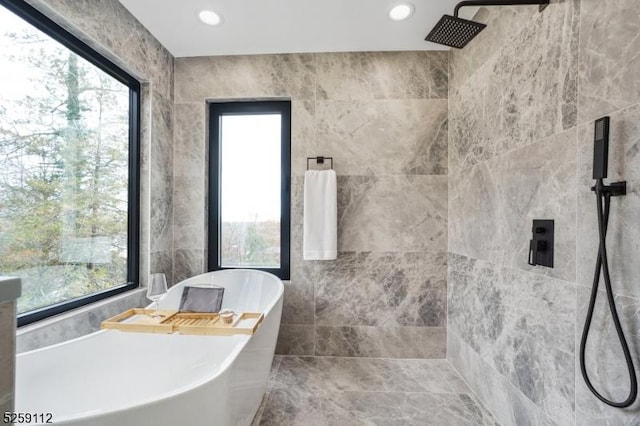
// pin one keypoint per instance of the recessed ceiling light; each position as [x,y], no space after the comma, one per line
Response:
[210,17]
[401,11]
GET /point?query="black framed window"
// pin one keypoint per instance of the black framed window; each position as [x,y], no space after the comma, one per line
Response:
[249,186]
[69,149]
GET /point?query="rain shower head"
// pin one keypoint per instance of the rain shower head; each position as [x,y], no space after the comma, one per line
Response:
[457,32]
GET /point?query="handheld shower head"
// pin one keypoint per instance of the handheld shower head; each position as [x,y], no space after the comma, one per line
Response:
[457,32]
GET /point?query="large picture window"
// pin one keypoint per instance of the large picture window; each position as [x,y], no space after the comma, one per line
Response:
[249,186]
[68,167]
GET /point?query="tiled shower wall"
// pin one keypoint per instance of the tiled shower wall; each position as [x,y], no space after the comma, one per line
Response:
[383,118]
[110,29]
[523,97]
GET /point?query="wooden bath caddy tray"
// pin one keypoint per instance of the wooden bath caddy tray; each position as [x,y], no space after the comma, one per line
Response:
[140,321]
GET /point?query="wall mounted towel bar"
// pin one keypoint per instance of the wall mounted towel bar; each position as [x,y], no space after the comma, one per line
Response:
[320,160]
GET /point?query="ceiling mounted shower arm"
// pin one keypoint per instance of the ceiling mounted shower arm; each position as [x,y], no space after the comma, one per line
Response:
[542,3]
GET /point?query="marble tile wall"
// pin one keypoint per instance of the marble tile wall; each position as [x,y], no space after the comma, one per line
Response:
[7,354]
[521,110]
[383,117]
[110,29]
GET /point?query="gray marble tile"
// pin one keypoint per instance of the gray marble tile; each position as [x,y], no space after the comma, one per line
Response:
[338,391]
[187,264]
[298,302]
[161,212]
[369,220]
[502,23]
[124,40]
[384,137]
[189,214]
[329,374]
[161,174]
[522,325]
[380,342]
[380,289]
[162,127]
[295,339]
[504,401]
[492,205]
[249,77]
[303,136]
[286,406]
[190,143]
[381,75]
[503,107]
[162,262]
[609,60]
[7,354]
[624,233]
[605,360]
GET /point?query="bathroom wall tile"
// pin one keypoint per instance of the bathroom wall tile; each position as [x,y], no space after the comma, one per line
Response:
[492,205]
[7,354]
[407,137]
[125,40]
[609,60]
[380,289]
[521,324]
[381,342]
[76,323]
[381,75]
[605,360]
[438,77]
[162,127]
[298,302]
[249,77]
[161,212]
[161,172]
[162,262]
[369,220]
[303,137]
[504,401]
[502,23]
[189,213]
[501,107]
[190,143]
[624,233]
[187,264]
[295,339]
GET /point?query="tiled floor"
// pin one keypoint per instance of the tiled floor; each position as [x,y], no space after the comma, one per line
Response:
[314,391]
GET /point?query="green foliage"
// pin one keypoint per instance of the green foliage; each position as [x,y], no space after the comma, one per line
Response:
[64,174]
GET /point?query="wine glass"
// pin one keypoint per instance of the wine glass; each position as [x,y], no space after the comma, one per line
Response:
[156,289]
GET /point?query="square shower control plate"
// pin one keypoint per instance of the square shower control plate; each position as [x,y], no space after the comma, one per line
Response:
[541,244]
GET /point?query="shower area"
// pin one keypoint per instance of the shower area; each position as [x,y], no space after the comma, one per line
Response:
[523,98]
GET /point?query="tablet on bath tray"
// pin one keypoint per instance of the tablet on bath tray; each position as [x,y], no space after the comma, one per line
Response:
[201,299]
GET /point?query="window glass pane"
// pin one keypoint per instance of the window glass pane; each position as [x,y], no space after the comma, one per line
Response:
[250,190]
[64,138]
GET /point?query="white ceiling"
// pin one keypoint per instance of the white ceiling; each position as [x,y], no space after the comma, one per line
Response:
[288,26]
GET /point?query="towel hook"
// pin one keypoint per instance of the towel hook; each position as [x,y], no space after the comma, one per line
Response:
[320,160]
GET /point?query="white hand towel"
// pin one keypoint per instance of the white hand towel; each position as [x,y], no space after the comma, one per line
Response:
[320,238]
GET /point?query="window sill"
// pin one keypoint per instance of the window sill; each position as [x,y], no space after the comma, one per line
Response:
[70,315]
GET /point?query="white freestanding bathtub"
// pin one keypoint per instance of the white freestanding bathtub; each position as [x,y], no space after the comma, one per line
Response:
[115,378]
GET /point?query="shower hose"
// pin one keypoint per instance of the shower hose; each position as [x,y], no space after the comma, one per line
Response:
[602,265]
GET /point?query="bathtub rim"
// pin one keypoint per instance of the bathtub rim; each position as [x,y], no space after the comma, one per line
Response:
[206,378]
